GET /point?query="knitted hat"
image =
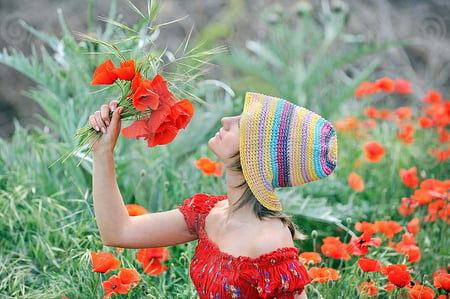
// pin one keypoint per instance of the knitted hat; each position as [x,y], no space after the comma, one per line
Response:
[283,145]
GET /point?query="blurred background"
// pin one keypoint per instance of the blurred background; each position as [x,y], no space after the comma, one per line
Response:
[425,23]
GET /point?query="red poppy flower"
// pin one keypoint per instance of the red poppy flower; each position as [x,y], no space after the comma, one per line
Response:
[151,258]
[104,261]
[145,97]
[322,275]
[369,265]
[368,288]
[421,292]
[129,277]
[409,177]
[374,151]
[158,129]
[389,228]
[181,113]
[126,70]
[424,122]
[399,278]
[355,181]
[209,167]
[407,207]
[409,248]
[365,226]
[432,97]
[334,248]
[403,86]
[114,285]
[360,245]
[371,112]
[366,88]
[137,79]
[136,210]
[413,226]
[104,74]
[441,279]
[310,258]
[386,84]
[397,274]
[422,196]
[404,112]
[385,114]
[159,86]
[406,133]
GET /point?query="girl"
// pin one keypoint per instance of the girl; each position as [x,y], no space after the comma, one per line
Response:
[245,243]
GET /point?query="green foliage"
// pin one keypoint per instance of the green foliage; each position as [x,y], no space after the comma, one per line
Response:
[307,60]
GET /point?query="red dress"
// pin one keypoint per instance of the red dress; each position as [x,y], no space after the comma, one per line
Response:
[216,274]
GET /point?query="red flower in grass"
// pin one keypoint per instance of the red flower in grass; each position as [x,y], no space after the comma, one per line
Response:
[432,97]
[121,283]
[151,258]
[409,177]
[114,286]
[360,245]
[334,248]
[129,276]
[404,112]
[136,210]
[406,133]
[369,265]
[209,167]
[366,88]
[424,122]
[310,258]
[386,84]
[403,86]
[104,261]
[322,275]
[355,181]
[413,226]
[389,228]
[374,151]
[397,274]
[104,74]
[407,206]
[409,248]
[368,288]
[365,226]
[441,279]
[421,292]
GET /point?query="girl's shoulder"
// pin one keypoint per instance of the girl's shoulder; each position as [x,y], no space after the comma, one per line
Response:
[202,203]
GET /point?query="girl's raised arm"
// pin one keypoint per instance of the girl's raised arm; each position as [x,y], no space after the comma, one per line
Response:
[115,226]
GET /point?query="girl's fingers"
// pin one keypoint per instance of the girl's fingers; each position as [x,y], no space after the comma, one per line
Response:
[93,122]
[113,105]
[104,112]
[99,121]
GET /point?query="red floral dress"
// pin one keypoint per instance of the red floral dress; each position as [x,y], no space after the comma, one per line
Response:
[216,274]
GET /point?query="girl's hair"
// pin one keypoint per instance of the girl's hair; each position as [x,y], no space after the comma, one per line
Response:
[260,211]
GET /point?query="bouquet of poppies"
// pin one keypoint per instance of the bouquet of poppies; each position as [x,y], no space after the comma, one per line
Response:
[156,114]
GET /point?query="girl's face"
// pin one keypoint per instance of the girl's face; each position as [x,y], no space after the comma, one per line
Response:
[225,144]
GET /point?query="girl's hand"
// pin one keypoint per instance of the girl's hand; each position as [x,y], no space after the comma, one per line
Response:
[100,120]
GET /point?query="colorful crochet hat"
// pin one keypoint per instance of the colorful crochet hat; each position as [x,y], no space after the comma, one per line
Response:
[283,145]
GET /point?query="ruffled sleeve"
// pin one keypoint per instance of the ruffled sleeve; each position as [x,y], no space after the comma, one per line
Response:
[282,278]
[197,207]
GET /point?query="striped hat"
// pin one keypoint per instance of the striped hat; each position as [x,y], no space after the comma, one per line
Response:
[283,145]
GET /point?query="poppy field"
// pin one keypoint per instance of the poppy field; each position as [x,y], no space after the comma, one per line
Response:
[378,227]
